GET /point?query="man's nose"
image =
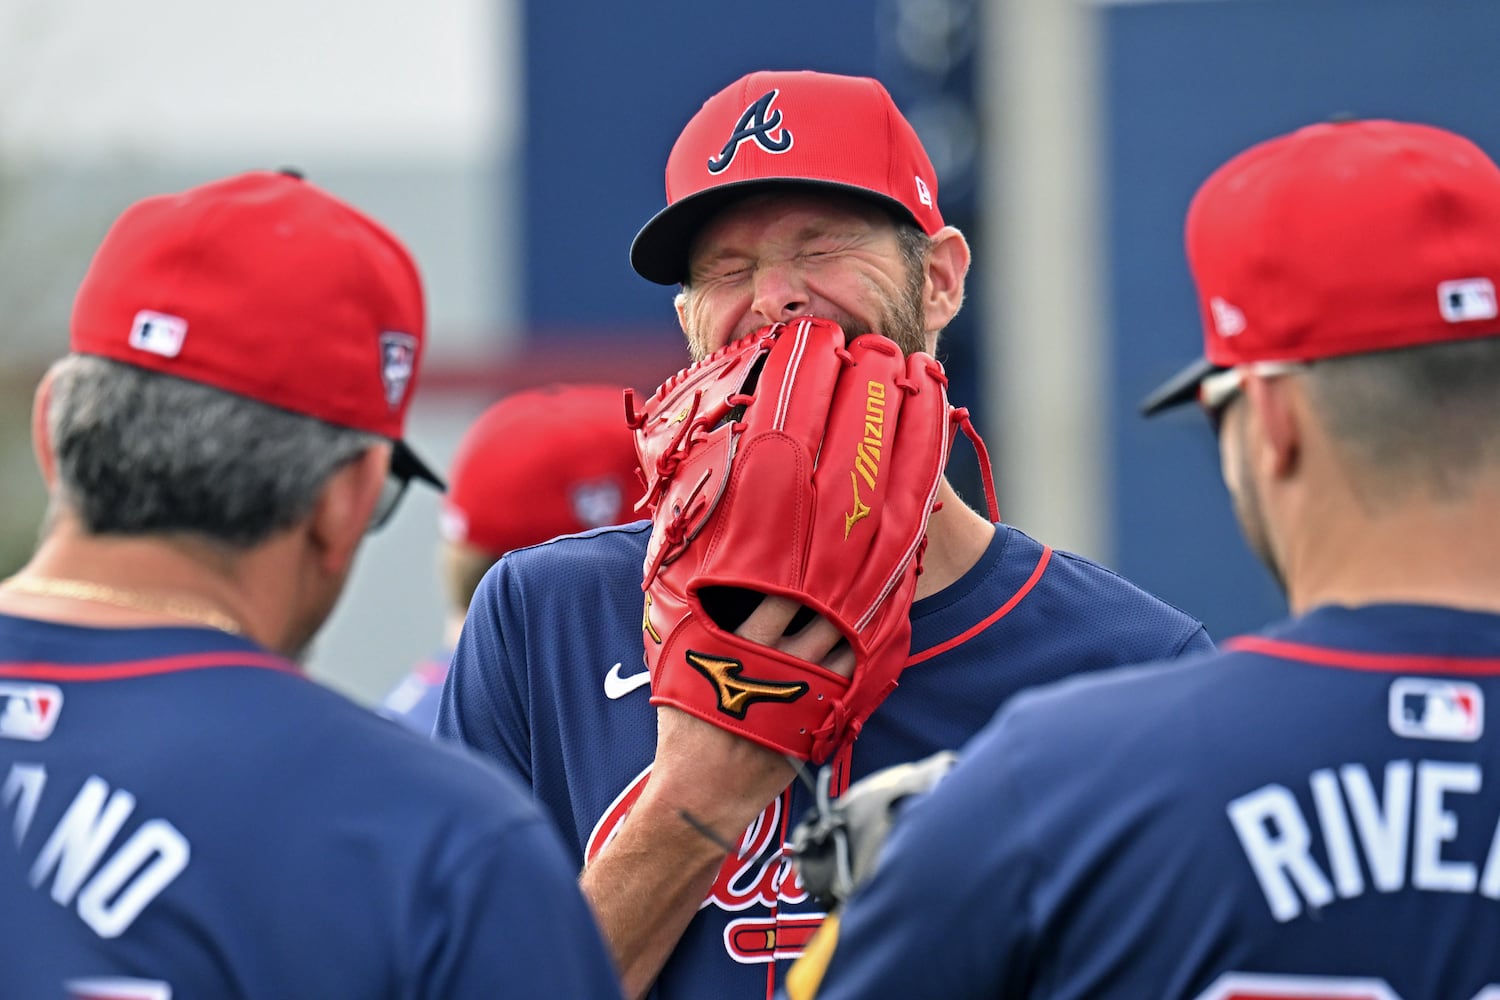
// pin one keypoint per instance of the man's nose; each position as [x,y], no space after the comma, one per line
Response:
[780,293]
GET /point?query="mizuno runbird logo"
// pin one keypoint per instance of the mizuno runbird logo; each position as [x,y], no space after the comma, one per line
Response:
[737,693]
[757,123]
[861,509]
[867,452]
[646,625]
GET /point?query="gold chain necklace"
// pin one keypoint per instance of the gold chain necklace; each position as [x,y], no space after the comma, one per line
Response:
[80,590]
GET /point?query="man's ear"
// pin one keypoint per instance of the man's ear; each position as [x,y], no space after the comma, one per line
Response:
[341,513]
[681,301]
[943,289]
[41,437]
[1273,404]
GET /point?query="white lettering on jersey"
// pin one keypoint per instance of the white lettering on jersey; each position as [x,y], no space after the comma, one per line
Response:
[1382,833]
[23,790]
[1411,819]
[1342,857]
[81,838]
[134,876]
[111,889]
[1436,825]
[1489,882]
[1276,840]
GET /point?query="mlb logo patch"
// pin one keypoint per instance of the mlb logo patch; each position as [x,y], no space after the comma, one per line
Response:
[1423,708]
[1466,300]
[29,711]
[158,333]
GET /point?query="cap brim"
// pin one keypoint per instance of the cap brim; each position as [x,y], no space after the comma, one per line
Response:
[1180,388]
[405,463]
[659,251]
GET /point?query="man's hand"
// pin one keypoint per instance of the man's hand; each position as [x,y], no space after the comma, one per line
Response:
[706,787]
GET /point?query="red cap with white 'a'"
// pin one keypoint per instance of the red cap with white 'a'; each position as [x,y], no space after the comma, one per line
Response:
[775,128]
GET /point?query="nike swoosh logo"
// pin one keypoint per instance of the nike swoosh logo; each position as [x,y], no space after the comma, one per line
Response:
[616,686]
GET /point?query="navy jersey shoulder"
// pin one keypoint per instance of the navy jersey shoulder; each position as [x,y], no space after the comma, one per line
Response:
[211,819]
[1025,615]
[1304,813]
[549,680]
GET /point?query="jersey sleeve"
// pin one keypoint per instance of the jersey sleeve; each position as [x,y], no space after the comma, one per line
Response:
[483,702]
[946,913]
[510,920]
[1198,643]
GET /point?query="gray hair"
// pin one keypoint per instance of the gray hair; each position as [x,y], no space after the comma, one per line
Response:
[914,244]
[1424,418]
[139,452]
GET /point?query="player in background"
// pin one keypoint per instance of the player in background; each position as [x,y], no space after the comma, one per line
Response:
[790,194]
[537,464]
[1312,812]
[196,816]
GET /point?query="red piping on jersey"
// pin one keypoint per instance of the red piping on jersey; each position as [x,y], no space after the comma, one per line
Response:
[1395,663]
[75,672]
[999,613]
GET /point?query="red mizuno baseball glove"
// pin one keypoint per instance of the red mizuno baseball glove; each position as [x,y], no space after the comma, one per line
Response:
[788,463]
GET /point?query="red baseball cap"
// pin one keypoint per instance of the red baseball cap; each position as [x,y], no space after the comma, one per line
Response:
[542,463]
[773,128]
[1342,238]
[267,287]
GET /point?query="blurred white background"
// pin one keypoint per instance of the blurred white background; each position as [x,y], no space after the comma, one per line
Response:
[407,110]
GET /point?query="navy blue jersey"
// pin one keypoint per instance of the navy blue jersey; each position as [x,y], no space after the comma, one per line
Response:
[549,680]
[1311,813]
[414,701]
[36,954]
[201,820]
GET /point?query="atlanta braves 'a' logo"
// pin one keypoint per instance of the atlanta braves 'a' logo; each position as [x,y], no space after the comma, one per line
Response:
[737,693]
[758,123]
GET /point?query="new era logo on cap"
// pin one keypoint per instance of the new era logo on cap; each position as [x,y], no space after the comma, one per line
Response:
[923,194]
[1467,300]
[1228,321]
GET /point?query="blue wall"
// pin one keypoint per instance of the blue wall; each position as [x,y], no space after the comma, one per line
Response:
[1186,86]
[609,86]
